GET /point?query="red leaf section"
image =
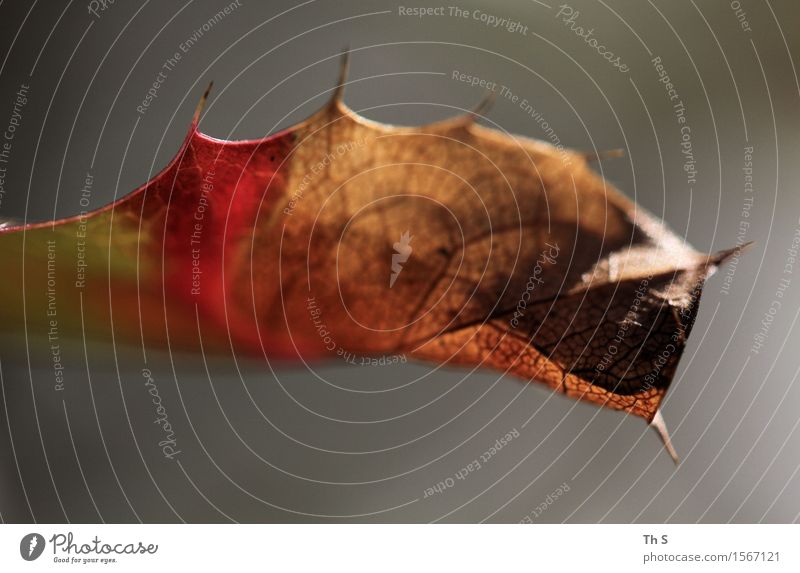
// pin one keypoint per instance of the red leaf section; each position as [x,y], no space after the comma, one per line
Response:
[175,235]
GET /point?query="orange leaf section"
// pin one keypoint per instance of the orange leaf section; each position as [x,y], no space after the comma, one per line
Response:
[450,242]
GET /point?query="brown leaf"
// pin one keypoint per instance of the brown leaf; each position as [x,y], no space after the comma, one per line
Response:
[452,242]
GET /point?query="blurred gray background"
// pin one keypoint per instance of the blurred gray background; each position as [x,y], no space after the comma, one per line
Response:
[269,443]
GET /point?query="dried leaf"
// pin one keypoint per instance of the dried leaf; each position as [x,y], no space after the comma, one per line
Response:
[451,242]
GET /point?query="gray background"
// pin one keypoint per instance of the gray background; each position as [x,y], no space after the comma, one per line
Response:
[263,445]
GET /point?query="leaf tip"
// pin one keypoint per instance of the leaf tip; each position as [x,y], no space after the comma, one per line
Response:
[721,256]
[344,67]
[478,111]
[483,106]
[470,117]
[658,424]
[201,104]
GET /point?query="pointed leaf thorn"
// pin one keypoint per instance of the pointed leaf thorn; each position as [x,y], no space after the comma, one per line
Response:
[660,427]
[201,104]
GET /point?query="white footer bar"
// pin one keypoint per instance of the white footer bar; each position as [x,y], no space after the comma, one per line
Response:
[400,548]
